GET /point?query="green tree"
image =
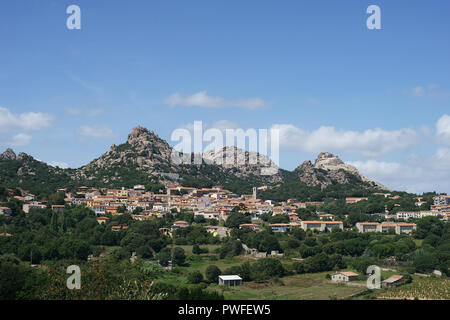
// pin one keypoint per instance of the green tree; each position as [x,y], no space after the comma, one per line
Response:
[178,256]
[212,273]
[195,277]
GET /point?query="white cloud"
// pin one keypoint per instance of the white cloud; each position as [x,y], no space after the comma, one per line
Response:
[416,174]
[27,121]
[62,165]
[369,143]
[18,140]
[96,132]
[201,99]
[443,129]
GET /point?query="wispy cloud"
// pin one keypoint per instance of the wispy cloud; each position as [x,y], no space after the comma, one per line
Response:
[201,99]
[430,90]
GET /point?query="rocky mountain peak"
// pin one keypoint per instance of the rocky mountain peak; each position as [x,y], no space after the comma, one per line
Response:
[336,171]
[24,156]
[139,134]
[305,166]
[328,161]
[247,163]
[141,138]
[8,155]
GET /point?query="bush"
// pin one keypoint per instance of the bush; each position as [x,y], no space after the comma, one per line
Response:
[212,273]
[195,277]
[197,250]
[180,241]
[266,268]
[178,256]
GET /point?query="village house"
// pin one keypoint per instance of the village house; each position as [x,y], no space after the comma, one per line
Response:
[112,210]
[29,206]
[29,197]
[397,227]
[280,227]
[5,210]
[344,276]
[79,201]
[218,231]
[99,209]
[118,228]
[179,224]
[304,205]
[325,216]
[102,220]
[351,200]
[230,280]
[208,214]
[321,225]
[406,215]
[441,200]
[252,226]
[364,227]
[58,208]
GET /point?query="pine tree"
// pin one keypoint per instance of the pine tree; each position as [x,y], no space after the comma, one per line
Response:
[54,222]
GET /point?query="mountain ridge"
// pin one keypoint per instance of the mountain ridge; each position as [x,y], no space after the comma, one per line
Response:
[147,157]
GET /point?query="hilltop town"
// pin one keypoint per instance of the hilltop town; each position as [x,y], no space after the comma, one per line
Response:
[217,203]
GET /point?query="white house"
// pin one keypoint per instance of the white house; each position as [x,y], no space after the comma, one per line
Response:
[230,280]
[344,276]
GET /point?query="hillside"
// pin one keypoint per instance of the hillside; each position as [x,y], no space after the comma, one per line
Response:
[146,159]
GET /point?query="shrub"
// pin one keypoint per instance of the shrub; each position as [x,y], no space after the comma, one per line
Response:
[212,273]
[195,277]
[266,268]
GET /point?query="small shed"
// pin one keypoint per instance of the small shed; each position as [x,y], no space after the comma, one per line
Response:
[344,276]
[230,280]
[392,281]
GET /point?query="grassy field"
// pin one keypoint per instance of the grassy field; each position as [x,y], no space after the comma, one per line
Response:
[298,287]
[304,286]
[188,248]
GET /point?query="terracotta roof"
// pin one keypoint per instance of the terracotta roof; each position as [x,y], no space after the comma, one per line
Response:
[349,274]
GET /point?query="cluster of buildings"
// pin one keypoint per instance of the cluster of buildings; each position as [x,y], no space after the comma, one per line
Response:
[217,203]
[440,208]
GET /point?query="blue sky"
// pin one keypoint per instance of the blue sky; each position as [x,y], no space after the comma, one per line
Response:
[378,98]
